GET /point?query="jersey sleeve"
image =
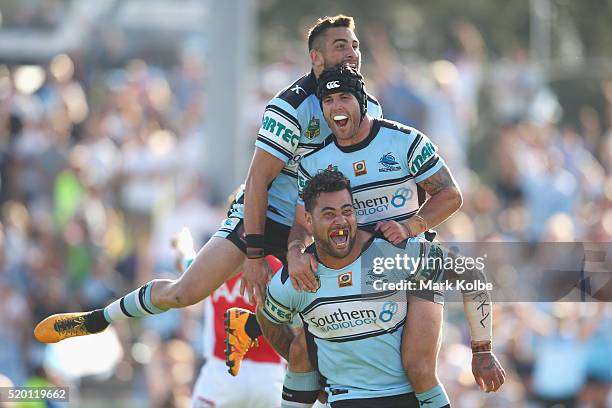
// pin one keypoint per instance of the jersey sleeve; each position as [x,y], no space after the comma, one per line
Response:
[303,177]
[429,268]
[280,130]
[423,158]
[282,300]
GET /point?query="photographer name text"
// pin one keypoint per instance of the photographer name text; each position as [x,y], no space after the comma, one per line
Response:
[460,284]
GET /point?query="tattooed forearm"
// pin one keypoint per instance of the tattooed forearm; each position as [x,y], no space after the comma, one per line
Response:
[483,306]
[440,180]
[279,336]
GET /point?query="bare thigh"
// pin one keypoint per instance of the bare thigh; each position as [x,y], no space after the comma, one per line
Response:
[215,263]
[421,342]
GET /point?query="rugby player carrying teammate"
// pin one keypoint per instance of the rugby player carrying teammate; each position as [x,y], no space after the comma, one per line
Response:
[293,125]
[353,331]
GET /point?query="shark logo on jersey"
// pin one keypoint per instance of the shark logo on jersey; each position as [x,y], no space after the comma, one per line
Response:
[389,163]
[375,276]
[313,129]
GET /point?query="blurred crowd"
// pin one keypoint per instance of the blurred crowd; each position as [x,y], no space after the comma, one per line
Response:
[100,168]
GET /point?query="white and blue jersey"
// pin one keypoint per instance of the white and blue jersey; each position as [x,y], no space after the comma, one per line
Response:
[292,126]
[354,331]
[384,170]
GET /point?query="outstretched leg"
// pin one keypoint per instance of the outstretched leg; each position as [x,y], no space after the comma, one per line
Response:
[214,264]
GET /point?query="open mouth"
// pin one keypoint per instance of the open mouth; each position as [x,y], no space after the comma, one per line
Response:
[340,237]
[341,120]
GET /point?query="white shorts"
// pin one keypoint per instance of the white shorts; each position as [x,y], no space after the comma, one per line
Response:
[258,385]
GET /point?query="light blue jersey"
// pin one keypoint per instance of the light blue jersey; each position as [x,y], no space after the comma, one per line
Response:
[293,125]
[384,170]
[356,329]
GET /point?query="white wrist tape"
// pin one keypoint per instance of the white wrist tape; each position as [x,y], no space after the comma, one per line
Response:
[478,309]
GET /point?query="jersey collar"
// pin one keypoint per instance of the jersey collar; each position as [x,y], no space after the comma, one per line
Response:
[365,142]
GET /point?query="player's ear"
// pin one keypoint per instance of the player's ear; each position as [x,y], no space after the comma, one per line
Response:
[308,216]
[316,58]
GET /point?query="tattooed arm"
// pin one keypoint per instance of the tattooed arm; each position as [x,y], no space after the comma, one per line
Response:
[478,309]
[487,371]
[445,198]
[279,336]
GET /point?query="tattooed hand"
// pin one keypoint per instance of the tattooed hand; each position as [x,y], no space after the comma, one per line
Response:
[488,372]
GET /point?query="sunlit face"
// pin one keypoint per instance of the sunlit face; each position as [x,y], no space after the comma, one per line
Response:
[334,224]
[342,114]
[340,46]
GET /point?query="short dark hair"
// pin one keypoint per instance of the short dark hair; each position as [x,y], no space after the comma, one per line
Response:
[326,181]
[326,22]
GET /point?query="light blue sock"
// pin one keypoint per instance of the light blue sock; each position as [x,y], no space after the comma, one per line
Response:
[300,389]
[434,398]
[134,304]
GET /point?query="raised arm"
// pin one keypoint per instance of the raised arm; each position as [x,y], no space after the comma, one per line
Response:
[263,170]
[301,264]
[444,200]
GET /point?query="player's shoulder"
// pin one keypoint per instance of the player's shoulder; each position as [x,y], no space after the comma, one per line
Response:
[401,128]
[406,244]
[299,91]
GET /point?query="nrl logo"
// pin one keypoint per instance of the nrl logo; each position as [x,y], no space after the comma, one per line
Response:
[313,129]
